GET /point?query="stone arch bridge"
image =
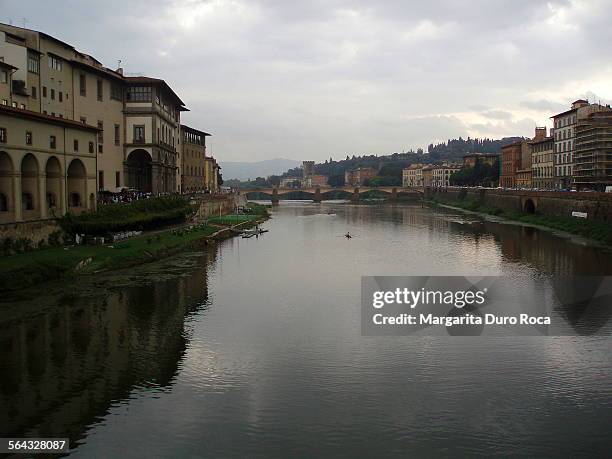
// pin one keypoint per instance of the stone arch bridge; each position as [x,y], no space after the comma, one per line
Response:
[318,194]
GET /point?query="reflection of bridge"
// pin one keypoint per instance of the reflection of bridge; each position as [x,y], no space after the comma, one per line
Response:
[318,194]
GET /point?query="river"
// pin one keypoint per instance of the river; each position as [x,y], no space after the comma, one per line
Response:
[253,347]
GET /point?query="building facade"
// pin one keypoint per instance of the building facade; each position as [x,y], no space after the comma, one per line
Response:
[315,180]
[510,163]
[593,152]
[193,154]
[47,166]
[542,163]
[138,118]
[440,174]
[565,139]
[412,176]
[152,126]
[358,176]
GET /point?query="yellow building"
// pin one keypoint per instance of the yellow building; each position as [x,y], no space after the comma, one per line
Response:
[412,176]
[47,166]
[193,153]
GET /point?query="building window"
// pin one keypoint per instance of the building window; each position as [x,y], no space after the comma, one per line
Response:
[52,142]
[34,95]
[2,135]
[33,63]
[55,63]
[82,84]
[3,203]
[3,76]
[117,179]
[91,147]
[83,120]
[101,133]
[139,134]
[44,91]
[61,96]
[100,148]
[14,104]
[117,137]
[52,94]
[28,138]
[4,102]
[116,91]
[100,89]
[100,180]
[22,106]
[76,145]
[139,94]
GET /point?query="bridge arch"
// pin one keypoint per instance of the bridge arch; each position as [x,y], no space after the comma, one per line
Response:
[529,206]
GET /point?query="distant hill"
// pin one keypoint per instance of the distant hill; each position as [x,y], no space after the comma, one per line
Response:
[251,170]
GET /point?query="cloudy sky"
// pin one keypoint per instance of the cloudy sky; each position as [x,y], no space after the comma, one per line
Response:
[320,78]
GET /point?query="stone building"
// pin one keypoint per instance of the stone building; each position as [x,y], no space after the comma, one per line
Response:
[212,171]
[152,125]
[137,119]
[47,166]
[193,153]
[593,152]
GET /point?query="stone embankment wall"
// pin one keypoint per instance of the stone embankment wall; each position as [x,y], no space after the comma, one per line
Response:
[40,230]
[35,231]
[218,205]
[597,206]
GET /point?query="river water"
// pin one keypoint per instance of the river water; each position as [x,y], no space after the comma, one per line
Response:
[253,347]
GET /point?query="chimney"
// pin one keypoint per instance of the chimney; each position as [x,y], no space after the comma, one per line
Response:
[119,71]
[540,133]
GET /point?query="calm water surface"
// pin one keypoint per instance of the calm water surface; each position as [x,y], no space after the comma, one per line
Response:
[253,347]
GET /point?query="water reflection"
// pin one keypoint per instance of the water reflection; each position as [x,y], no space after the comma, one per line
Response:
[64,367]
[254,348]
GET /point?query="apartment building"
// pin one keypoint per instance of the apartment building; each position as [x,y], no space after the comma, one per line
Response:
[412,176]
[565,139]
[593,152]
[193,153]
[510,163]
[440,174]
[542,162]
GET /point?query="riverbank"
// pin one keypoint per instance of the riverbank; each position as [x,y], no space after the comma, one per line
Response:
[598,232]
[26,269]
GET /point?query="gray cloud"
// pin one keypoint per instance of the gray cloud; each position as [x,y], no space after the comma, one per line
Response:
[316,78]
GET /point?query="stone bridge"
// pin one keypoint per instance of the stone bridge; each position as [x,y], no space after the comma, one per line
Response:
[318,194]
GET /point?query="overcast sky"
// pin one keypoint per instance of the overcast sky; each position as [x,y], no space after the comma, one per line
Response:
[320,78]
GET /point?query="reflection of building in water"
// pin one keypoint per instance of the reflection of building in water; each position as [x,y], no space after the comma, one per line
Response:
[548,253]
[66,366]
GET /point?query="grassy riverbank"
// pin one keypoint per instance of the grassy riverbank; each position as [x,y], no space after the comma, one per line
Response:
[595,230]
[26,269]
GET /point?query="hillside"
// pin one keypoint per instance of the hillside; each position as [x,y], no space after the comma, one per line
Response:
[250,170]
